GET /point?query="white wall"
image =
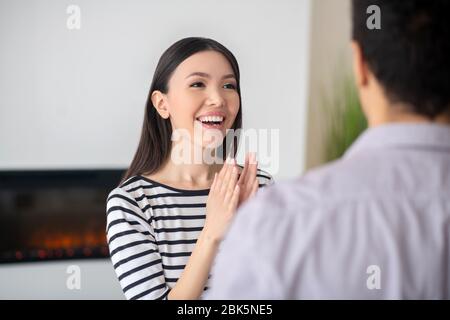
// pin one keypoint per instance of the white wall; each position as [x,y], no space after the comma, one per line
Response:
[49,280]
[75,98]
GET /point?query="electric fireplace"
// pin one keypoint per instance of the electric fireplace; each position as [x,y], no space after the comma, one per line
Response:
[49,215]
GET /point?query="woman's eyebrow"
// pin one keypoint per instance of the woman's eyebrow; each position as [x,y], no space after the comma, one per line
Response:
[205,75]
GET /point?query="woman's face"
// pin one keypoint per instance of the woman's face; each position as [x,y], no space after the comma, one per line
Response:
[202,96]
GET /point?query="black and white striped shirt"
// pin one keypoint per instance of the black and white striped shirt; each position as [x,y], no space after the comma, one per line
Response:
[151,231]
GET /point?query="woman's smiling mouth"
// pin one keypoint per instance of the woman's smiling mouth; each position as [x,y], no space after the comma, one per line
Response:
[211,121]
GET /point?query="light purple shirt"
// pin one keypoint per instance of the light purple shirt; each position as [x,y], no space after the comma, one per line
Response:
[372,225]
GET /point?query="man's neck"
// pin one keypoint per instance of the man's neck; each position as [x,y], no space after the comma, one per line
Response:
[395,114]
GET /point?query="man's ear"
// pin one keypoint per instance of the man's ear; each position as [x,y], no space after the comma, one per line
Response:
[160,104]
[360,69]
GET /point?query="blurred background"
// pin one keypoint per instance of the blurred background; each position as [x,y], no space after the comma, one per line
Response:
[74,77]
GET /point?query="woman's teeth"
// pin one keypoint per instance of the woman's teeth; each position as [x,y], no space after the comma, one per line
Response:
[211,119]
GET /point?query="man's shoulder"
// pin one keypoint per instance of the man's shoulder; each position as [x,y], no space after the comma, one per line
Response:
[281,197]
[348,178]
[340,179]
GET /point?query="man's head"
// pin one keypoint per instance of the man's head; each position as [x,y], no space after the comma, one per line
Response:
[403,69]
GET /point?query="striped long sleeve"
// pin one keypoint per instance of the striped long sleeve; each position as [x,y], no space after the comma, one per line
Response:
[133,248]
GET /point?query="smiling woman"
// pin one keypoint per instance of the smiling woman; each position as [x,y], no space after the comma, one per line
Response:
[165,220]
[204,93]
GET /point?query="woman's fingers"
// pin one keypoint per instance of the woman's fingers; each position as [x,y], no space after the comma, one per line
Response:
[243,177]
[231,185]
[220,176]
[212,189]
[253,168]
[227,176]
[232,204]
[255,187]
[225,181]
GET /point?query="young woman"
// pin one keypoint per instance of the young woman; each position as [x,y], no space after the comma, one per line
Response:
[166,219]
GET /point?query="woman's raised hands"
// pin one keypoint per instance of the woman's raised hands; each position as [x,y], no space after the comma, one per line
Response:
[222,201]
[248,183]
[227,193]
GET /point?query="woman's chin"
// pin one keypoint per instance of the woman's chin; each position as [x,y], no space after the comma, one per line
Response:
[209,146]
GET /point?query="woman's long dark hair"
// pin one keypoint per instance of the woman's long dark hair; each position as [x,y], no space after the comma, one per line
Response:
[156,136]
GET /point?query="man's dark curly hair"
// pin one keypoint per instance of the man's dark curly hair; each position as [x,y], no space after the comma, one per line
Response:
[410,54]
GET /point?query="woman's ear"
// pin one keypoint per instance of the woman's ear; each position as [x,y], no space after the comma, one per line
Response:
[160,104]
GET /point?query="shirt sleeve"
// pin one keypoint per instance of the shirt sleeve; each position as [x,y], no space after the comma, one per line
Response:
[242,269]
[133,248]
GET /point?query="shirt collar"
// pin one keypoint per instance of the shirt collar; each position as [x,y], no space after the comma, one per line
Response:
[402,135]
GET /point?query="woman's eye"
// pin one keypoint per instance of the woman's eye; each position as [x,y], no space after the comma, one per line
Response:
[197,85]
[229,86]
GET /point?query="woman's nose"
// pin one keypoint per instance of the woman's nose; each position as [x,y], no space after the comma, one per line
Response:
[215,98]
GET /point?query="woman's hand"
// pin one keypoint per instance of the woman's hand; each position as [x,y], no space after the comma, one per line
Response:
[222,201]
[248,183]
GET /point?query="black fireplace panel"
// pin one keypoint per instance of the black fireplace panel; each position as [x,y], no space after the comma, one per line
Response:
[48,215]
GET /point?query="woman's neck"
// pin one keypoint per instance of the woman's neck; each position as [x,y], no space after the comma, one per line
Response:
[188,174]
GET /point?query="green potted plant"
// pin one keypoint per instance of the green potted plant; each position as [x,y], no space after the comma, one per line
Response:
[345,120]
